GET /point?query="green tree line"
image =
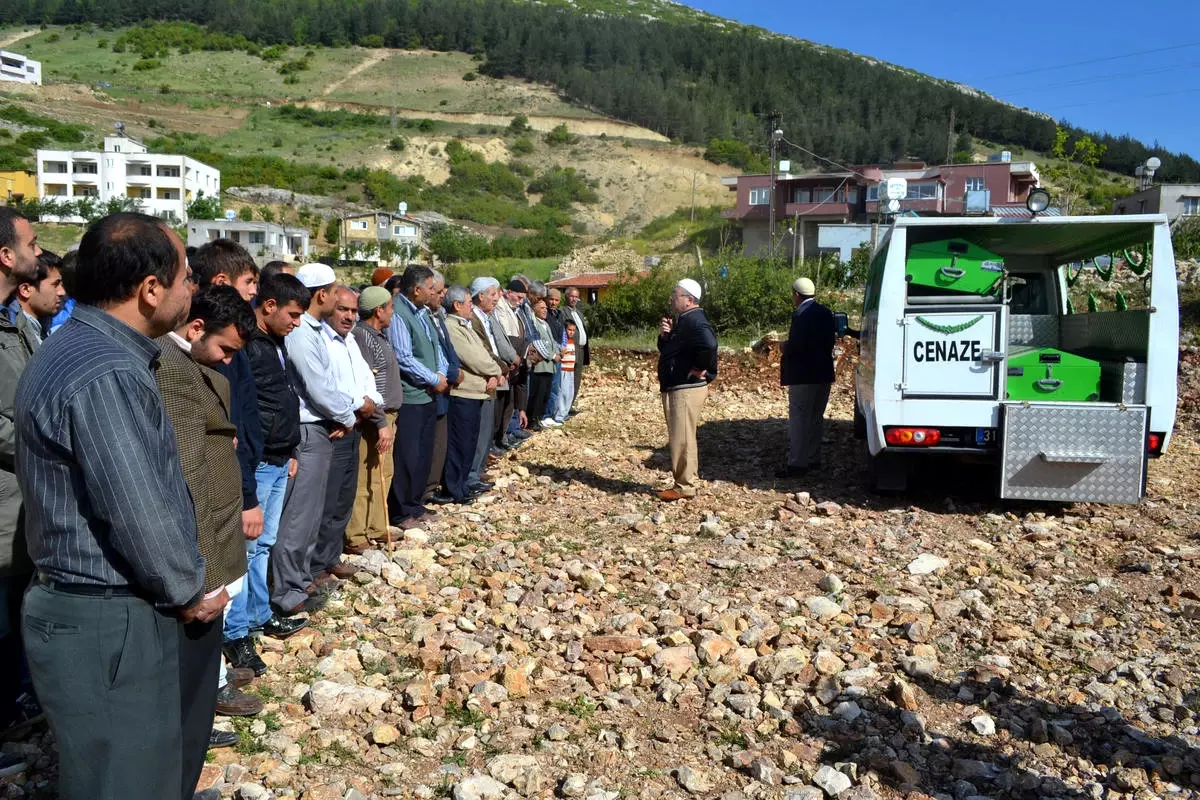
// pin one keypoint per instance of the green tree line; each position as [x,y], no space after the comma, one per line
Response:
[690,82]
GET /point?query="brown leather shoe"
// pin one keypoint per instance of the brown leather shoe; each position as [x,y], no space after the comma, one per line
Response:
[671,495]
[343,571]
[356,548]
[233,702]
[321,580]
[239,676]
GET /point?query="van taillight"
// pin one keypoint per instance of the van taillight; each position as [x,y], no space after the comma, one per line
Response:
[1154,443]
[912,437]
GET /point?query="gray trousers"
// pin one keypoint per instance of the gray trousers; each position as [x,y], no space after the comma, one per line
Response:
[303,508]
[487,420]
[106,671]
[806,422]
[339,505]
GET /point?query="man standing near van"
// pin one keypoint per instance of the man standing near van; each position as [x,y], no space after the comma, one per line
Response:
[687,363]
[806,369]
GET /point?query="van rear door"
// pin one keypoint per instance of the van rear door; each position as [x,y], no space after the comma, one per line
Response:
[953,352]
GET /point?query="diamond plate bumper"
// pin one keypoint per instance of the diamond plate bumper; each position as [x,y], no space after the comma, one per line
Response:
[1073,452]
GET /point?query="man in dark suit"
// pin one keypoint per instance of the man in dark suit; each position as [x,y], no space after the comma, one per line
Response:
[197,401]
[807,370]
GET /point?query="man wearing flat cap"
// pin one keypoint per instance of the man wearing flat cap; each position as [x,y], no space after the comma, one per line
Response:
[687,363]
[806,369]
[369,521]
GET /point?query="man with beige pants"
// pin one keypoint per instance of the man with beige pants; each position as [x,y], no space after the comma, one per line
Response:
[369,519]
[687,363]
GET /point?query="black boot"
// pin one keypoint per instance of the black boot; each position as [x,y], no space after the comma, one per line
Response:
[241,653]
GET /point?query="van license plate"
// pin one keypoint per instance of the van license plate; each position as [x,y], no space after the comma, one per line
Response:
[985,436]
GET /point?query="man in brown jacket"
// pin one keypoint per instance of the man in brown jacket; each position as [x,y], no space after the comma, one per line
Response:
[480,375]
[196,399]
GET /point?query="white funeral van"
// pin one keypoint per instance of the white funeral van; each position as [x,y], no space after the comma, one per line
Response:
[1068,402]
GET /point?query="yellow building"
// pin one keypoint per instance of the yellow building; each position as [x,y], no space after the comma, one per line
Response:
[18,185]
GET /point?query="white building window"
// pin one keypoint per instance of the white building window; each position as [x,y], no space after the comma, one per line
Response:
[358,224]
[760,197]
[1191,206]
[975,185]
[873,194]
[257,237]
[168,172]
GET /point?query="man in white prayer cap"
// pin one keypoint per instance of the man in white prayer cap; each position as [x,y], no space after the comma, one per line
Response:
[687,363]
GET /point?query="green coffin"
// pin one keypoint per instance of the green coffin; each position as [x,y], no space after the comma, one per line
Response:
[1043,373]
[956,265]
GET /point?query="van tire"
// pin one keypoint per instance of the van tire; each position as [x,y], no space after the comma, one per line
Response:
[887,473]
[860,422]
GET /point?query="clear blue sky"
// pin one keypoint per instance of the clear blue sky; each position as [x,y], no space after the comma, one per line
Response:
[1152,96]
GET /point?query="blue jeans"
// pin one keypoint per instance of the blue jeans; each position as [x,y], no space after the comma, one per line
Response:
[252,607]
[552,401]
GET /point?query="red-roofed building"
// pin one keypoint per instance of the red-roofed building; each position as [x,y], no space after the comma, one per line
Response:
[592,286]
[804,201]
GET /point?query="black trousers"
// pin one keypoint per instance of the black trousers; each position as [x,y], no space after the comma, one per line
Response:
[437,456]
[411,455]
[107,673]
[461,437]
[539,395]
[199,657]
[506,404]
[339,504]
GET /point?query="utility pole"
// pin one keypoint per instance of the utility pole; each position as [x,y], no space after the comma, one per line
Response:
[776,135]
[692,216]
[950,139]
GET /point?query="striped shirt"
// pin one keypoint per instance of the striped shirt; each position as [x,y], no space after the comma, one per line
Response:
[105,499]
[568,355]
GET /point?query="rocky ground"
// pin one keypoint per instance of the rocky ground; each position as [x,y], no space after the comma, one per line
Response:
[569,636]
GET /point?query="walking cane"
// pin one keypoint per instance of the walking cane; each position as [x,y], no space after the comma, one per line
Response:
[387,527]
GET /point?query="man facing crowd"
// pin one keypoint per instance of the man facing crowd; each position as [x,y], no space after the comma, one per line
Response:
[110,522]
[583,353]
[806,369]
[687,363]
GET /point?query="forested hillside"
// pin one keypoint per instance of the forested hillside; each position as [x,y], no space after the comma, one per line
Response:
[691,82]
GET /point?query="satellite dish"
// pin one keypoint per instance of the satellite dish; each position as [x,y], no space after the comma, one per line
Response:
[120,126]
[403,208]
[893,206]
[230,215]
[895,189]
[785,166]
[1153,163]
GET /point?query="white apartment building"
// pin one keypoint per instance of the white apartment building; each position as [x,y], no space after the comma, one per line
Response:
[163,184]
[266,241]
[16,67]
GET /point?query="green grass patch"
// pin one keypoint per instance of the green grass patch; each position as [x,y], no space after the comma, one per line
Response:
[579,707]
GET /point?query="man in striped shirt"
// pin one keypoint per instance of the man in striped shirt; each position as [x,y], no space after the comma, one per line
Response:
[109,520]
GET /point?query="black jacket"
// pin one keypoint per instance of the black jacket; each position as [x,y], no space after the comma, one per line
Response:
[243,398]
[278,403]
[808,352]
[691,345]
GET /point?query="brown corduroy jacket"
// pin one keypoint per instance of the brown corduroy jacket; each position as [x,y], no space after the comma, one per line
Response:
[197,402]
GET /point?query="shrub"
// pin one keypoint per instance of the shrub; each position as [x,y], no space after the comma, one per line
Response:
[245,214]
[560,187]
[739,154]
[470,76]
[561,135]
[522,146]
[398,143]
[371,40]
[426,125]
[333,229]
[519,124]
[144,64]
[1185,237]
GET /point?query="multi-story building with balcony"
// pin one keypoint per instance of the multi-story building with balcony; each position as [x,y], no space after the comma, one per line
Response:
[266,241]
[18,68]
[162,184]
[805,202]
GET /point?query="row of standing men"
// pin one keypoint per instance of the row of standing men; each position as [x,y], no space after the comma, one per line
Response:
[192,454]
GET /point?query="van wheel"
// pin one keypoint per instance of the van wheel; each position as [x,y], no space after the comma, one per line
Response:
[887,473]
[860,422]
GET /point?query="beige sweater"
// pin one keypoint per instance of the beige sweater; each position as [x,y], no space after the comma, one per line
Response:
[476,359]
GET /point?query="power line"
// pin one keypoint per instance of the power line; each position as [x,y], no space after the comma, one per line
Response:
[1042,69]
[1115,76]
[790,143]
[1110,101]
